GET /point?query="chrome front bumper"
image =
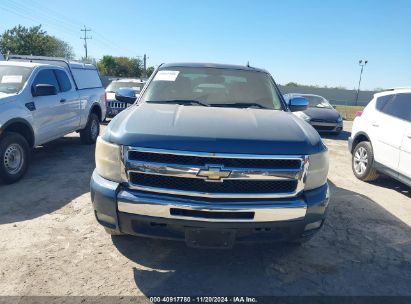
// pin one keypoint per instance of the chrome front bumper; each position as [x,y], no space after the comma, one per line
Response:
[145,214]
[135,204]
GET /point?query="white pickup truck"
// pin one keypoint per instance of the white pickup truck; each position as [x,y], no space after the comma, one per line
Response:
[42,99]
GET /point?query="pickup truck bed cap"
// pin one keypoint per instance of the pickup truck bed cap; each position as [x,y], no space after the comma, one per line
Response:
[26,64]
[84,75]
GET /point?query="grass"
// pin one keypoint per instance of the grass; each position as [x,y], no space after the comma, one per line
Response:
[348,112]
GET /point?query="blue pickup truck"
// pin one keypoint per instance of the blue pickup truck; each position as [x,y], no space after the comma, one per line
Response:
[211,154]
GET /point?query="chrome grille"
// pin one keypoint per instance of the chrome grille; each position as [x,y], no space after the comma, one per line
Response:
[116,105]
[202,161]
[215,175]
[228,186]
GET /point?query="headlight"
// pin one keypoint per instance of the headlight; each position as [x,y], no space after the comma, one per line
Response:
[339,119]
[108,160]
[303,116]
[317,171]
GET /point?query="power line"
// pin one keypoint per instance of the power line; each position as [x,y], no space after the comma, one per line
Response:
[56,21]
[101,39]
[26,12]
[85,38]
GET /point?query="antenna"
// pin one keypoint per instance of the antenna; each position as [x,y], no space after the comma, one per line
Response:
[248,64]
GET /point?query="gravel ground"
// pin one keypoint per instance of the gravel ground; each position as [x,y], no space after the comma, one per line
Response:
[50,243]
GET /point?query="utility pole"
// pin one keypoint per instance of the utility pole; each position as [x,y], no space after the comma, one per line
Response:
[362,65]
[85,38]
[145,65]
[145,57]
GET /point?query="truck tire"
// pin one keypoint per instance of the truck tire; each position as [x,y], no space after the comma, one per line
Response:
[14,157]
[363,162]
[89,134]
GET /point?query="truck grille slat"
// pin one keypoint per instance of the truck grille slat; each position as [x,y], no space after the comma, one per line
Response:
[202,161]
[116,105]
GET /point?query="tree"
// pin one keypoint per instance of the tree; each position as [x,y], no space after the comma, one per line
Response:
[107,66]
[292,84]
[120,66]
[150,70]
[33,41]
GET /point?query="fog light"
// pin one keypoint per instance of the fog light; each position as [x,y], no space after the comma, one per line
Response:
[312,226]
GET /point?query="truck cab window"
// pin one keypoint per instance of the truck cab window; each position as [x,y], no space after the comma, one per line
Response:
[46,77]
[63,80]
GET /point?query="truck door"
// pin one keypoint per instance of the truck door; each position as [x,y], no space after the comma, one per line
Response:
[47,108]
[69,102]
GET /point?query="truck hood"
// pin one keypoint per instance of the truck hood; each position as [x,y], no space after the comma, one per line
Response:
[6,98]
[213,129]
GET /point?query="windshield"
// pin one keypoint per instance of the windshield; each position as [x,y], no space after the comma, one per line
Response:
[213,87]
[317,102]
[13,78]
[115,85]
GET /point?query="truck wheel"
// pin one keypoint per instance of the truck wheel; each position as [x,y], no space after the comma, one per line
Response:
[363,162]
[90,133]
[14,157]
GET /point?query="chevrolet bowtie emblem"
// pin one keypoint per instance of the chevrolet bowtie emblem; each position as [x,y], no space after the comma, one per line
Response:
[214,174]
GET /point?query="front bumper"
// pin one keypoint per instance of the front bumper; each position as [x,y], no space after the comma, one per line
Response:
[327,127]
[171,217]
[113,112]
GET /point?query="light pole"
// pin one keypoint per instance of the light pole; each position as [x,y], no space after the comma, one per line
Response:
[362,65]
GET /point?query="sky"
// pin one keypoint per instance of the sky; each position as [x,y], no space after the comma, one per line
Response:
[312,42]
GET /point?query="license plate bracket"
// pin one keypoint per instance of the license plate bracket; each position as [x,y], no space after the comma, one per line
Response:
[210,238]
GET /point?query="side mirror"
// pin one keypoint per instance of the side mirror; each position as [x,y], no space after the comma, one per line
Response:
[44,90]
[298,103]
[126,95]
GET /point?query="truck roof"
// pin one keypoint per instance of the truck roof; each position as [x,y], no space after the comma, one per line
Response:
[26,64]
[211,65]
[52,61]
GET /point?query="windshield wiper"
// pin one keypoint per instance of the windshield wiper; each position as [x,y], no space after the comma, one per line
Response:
[180,102]
[239,105]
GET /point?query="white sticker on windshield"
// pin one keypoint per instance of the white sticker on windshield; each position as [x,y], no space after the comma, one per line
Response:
[12,79]
[166,76]
[136,88]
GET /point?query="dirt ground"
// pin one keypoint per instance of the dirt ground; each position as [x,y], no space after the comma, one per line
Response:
[50,243]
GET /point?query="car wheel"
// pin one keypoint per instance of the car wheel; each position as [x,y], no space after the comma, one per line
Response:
[90,133]
[363,162]
[14,157]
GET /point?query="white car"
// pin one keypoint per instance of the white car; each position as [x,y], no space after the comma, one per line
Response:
[381,137]
[42,99]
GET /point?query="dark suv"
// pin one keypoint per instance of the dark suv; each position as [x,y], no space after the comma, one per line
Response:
[210,155]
